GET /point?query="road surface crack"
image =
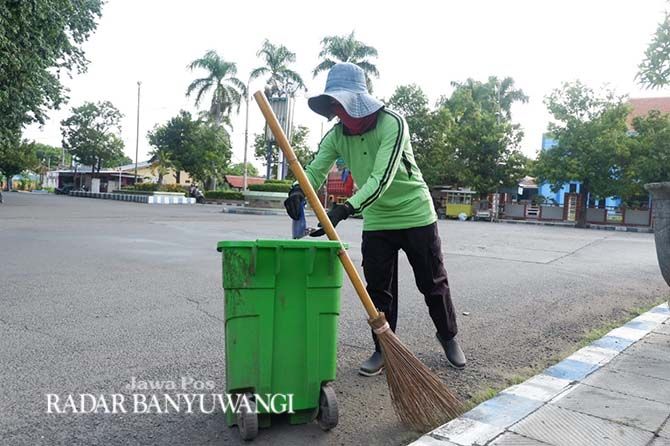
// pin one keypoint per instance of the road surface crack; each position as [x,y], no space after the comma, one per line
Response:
[24,327]
[591,243]
[206,313]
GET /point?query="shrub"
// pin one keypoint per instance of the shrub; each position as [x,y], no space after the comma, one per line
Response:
[173,188]
[133,192]
[271,181]
[271,187]
[223,194]
[154,187]
[150,187]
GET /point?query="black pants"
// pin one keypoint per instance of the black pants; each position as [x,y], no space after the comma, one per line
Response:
[424,251]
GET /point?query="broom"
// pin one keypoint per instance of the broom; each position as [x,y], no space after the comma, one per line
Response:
[420,399]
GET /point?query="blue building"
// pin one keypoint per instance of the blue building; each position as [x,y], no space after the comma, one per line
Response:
[545,189]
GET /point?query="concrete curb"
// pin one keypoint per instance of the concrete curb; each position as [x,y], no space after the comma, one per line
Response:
[486,422]
[135,198]
[258,211]
[616,228]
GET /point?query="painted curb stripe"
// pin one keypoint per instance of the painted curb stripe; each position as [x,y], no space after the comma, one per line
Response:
[491,418]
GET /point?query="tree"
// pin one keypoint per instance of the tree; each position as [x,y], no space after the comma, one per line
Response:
[654,70]
[48,157]
[298,142]
[227,90]
[40,41]
[412,103]
[121,160]
[650,151]
[92,134]
[282,80]
[238,169]
[483,137]
[14,159]
[347,49]
[593,145]
[195,146]
[428,132]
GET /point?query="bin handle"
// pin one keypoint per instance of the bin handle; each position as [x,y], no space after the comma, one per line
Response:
[278,253]
[311,258]
[252,262]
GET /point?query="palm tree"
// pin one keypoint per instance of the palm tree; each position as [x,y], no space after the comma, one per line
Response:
[227,90]
[282,80]
[347,49]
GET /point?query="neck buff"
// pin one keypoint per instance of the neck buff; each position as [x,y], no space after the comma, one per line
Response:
[355,126]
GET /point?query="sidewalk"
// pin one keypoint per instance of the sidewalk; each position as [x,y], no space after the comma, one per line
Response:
[617,228]
[614,392]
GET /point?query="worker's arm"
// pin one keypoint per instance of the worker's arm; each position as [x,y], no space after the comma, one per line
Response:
[318,169]
[385,164]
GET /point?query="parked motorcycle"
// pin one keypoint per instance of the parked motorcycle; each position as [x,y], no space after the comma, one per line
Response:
[195,192]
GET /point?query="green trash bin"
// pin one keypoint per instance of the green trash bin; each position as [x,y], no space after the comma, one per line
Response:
[282,303]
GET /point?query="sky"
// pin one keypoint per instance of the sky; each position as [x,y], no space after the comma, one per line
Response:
[430,43]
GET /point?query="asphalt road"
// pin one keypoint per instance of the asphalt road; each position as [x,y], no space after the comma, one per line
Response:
[94,293]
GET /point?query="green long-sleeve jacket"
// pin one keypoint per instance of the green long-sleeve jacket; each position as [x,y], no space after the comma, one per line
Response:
[392,193]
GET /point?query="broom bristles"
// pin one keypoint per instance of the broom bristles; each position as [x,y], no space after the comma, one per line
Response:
[420,399]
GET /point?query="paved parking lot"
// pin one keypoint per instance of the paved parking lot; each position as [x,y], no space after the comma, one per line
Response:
[94,293]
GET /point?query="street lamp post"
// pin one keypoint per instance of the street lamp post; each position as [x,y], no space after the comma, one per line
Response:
[137,136]
[246,136]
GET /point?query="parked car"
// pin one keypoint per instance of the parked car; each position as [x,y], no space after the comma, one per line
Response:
[64,190]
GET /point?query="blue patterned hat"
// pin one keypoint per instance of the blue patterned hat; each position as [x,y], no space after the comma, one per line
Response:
[346,84]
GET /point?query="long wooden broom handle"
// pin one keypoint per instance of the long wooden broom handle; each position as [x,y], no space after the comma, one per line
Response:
[314,202]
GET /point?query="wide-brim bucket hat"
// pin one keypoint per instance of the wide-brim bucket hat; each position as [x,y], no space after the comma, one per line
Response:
[346,84]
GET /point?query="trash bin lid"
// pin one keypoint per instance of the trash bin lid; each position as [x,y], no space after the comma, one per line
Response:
[279,243]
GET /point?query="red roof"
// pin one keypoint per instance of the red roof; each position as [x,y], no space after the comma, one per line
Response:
[642,107]
[237,181]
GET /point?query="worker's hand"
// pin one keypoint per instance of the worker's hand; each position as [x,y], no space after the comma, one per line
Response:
[294,202]
[336,214]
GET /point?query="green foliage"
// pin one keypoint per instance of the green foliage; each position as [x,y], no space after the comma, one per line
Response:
[270,187]
[275,181]
[47,156]
[16,158]
[40,41]
[299,143]
[238,169]
[227,90]
[172,188]
[195,146]
[428,132]
[654,70]
[484,139]
[650,150]
[147,187]
[593,144]
[223,194]
[469,139]
[91,134]
[346,48]
[282,80]
[119,160]
[26,183]
[155,187]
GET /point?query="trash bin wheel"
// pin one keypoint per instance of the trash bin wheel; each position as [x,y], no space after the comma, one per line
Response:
[247,420]
[328,411]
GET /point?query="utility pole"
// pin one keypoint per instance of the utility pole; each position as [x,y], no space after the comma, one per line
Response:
[246,136]
[137,136]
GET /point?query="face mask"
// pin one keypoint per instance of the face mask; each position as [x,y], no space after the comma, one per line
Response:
[355,126]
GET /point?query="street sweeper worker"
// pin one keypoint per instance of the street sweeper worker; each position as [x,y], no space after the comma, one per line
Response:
[393,199]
